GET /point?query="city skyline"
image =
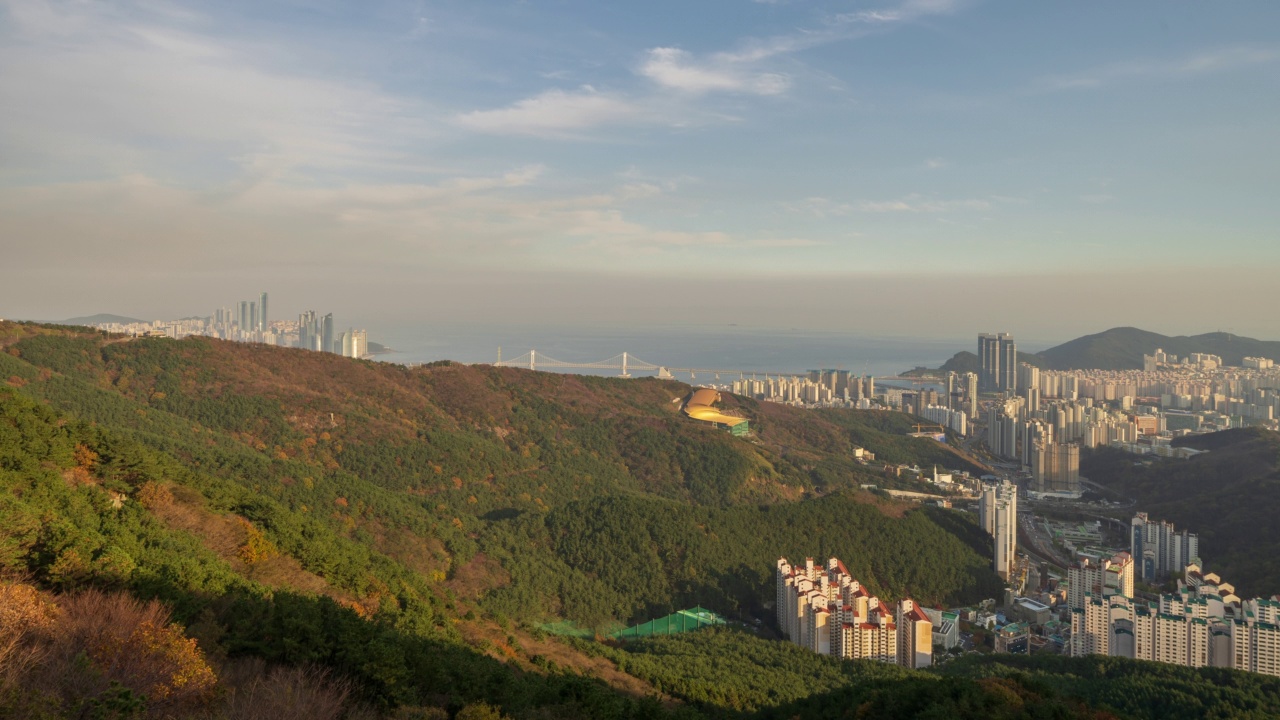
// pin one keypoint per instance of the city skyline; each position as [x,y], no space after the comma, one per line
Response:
[848,165]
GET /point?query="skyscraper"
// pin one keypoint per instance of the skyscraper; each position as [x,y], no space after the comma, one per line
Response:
[262,313]
[1008,363]
[326,334]
[307,329]
[988,362]
[998,361]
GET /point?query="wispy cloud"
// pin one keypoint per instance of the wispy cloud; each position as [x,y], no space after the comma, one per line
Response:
[826,208]
[679,77]
[903,12]
[556,112]
[819,207]
[675,68]
[1203,63]
[94,88]
[786,242]
[920,204]
[823,208]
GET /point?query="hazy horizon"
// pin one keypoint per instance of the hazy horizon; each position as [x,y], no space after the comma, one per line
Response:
[900,307]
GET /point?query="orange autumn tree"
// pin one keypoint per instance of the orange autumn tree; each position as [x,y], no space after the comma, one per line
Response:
[133,643]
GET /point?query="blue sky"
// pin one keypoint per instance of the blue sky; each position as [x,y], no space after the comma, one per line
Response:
[465,157]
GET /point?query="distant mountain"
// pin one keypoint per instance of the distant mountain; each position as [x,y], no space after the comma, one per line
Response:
[99,319]
[1123,348]
[967,362]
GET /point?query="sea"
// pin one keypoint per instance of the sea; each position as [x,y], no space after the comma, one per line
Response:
[748,349]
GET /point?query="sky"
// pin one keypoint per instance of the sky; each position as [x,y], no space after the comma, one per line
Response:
[918,167]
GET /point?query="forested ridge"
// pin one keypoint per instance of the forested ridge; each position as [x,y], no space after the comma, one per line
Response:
[389,540]
[431,468]
[1229,496]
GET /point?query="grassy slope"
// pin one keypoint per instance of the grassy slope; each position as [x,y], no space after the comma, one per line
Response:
[1229,496]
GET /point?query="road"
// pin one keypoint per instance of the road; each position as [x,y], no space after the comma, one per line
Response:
[1035,545]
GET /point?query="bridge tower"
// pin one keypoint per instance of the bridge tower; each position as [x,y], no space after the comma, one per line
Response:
[624,365]
[533,359]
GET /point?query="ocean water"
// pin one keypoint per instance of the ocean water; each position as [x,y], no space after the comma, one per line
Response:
[730,347]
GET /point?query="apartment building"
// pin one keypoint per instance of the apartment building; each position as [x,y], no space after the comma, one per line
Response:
[829,612]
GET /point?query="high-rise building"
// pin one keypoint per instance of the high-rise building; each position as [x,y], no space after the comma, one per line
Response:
[1055,467]
[1202,624]
[1008,364]
[262,312]
[998,515]
[971,393]
[1101,579]
[307,330]
[988,362]
[355,343]
[326,335]
[1003,426]
[998,361]
[1158,549]
[915,635]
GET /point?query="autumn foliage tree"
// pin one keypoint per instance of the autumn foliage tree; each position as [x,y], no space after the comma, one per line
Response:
[133,643]
[71,654]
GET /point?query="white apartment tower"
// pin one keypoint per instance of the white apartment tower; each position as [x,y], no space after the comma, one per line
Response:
[998,515]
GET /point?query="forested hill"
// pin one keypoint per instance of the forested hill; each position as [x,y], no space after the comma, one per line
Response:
[1229,496]
[474,456]
[377,541]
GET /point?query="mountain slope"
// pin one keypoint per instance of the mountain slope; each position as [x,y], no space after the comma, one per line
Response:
[1229,496]
[1123,348]
[407,532]
[475,473]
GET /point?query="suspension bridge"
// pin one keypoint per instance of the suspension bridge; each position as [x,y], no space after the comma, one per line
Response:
[625,363]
